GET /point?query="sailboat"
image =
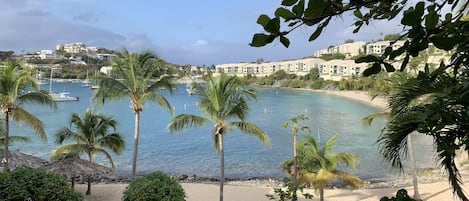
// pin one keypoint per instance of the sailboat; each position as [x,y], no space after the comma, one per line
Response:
[62,96]
[86,82]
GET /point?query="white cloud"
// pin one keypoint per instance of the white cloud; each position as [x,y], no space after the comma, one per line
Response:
[200,43]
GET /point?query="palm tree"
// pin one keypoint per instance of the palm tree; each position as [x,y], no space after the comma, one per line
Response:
[435,104]
[92,135]
[393,82]
[222,101]
[295,127]
[318,166]
[13,85]
[136,84]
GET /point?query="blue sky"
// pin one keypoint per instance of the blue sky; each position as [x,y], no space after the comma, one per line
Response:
[203,32]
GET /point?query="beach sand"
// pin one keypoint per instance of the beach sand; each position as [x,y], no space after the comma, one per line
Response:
[360,96]
[435,191]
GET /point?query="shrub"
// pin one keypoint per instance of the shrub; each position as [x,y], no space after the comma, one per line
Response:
[297,84]
[26,183]
[401,195]
[153,187]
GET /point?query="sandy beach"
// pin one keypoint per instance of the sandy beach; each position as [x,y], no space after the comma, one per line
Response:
[438,190]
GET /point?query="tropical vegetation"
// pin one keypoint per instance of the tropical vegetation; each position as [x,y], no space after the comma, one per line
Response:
[17,87]
[27,183]
[318,165]
[91,135]
[140,79]
[154,187]
[393,84]
[443,114]
[295,128]
[224,103]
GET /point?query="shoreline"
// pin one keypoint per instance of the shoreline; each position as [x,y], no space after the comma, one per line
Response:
[255,190]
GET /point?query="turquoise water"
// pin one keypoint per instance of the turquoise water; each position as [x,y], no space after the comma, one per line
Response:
[192,152]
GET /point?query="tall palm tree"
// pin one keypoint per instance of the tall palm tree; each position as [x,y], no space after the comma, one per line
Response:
[91,135]
[224,103]
[435,104]
[14,83]
[137,84]
[318,166]
[393,82]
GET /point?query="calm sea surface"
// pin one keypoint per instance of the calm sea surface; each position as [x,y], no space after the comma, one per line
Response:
[192,152]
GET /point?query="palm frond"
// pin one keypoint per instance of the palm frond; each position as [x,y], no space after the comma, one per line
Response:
[253,130]
[110,89]
[38,97]
[184,121]
[113,141]
[348,179]
[159,100]
[22,116]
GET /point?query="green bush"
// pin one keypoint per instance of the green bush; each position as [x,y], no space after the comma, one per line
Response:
[154,187]
[297,84]
[26,183]
[401,195]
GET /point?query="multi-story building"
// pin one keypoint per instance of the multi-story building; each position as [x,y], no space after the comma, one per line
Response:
[329,70]
[48,54]
[73,48]
[348,49]
[378,47]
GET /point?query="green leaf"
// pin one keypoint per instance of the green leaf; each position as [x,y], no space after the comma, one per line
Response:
[444,43]
[284,40]
[374,69]
[413,17]
[404,62]
[299,8]
[284,13]
[316,33]
[431,20]
[358,14]
[288,2]
[389,67]
[263,20]
[273,26]
[367,59]
[259,40]
[316,8]
[358,25]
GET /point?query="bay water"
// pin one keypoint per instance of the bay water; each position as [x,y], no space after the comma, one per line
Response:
[191,151]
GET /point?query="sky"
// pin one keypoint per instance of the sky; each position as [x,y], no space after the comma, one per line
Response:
[202,32]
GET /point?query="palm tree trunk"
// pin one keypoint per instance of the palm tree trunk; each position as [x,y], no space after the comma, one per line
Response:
[222,165]
[413,168]
[321,194]
[73,181]
[6,153]
[136,131]
[295,168]
[88,190]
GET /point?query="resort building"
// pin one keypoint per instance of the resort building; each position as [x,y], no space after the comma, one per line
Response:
[348,49]
[379,46]
[329,70]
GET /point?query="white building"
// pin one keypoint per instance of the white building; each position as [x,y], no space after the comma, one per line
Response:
[348,49]
[48,54]
[328,70]
[380,46]
[73,48]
